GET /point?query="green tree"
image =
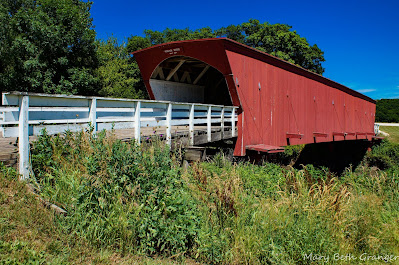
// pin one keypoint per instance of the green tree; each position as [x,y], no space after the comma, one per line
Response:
[276,39]
[168,35]
[119,75]
[47,46]
[387,110]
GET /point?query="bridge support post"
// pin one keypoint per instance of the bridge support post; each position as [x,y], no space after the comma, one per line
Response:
[137,123]
[233,122]
[191,125]
[93,114]
[23,142]
[209,124]
[169,125]
[222,123]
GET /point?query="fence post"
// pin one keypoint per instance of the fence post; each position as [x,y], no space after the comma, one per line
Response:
[169,124]
[191,125]
[93,114]
[222,123]
[233,122]
[137,122]
[209,124]
[376,128]
[23,141]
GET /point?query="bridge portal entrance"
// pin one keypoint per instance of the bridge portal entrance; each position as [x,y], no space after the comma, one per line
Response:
[185,79]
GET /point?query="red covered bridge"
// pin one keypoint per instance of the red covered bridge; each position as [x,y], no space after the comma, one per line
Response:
[279,103]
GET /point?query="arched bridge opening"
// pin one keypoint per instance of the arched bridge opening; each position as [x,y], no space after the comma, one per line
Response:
[186,79]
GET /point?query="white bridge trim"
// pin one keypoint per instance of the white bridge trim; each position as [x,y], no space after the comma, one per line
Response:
[24,114]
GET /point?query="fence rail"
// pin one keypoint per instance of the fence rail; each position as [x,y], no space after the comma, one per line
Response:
[24,114]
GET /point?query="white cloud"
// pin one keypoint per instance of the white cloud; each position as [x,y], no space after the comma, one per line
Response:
[366,90]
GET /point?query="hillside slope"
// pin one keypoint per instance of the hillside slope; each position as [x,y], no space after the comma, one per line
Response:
[128,204]
[31,234]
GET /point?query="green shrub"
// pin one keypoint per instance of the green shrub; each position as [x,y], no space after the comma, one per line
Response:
[272,215]
[384,155]
[137,199]
[117,194]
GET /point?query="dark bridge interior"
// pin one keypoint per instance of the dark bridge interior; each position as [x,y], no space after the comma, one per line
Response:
[179,75]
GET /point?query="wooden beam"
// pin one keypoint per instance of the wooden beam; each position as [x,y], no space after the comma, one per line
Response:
[191,124]
[189,79]
[339,134]
[294,135]
[265,148]
[137,122]
[209,123]
[161,75]
[201,74]
[320,134]
[169,124]
[158,71]
[174,70]
[233,122]
[23,144]
[185,74]
[176,77]
[93,114]
[218,83]
[155,74]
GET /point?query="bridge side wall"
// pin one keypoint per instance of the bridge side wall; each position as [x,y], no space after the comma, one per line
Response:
[276,101]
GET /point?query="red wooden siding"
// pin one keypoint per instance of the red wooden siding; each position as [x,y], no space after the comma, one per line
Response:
[290,100]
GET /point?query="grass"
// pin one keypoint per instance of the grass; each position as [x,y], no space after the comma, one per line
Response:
[129,203]
[32,234]
[393,132]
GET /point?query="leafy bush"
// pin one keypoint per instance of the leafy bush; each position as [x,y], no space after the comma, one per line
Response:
[290,155]
[137,199]
[384,155]
[117,194]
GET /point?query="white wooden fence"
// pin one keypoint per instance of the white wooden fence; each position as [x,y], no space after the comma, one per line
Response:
[24,114]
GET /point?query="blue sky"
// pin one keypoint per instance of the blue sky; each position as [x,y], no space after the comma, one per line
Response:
[360,39]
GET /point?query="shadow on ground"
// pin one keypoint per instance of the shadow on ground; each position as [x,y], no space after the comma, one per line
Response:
[334,155]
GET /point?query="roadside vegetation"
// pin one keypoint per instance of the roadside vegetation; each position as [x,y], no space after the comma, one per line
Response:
[32,234]
[127,203]
[393,132]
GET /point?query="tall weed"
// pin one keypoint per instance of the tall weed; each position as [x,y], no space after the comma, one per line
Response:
[117,194]
[274,215]
[135,198]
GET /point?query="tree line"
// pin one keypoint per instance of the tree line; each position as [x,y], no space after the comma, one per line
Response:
[387,110]
[50,46]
